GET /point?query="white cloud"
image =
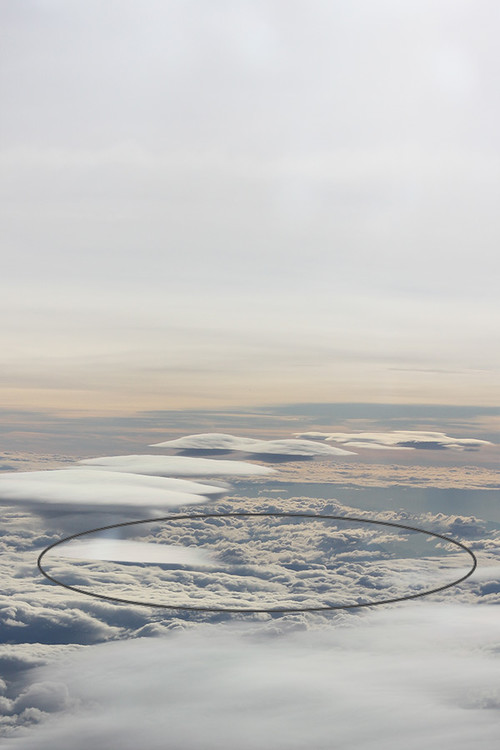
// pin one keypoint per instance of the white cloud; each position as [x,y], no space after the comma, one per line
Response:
[124,550]
[46,696]
[397,440]
[269,563]
[101,489]
[49,619]
[374,446]
[413,677]
[221,441]
[180,466]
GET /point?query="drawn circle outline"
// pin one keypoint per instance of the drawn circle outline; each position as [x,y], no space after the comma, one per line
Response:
[268,610]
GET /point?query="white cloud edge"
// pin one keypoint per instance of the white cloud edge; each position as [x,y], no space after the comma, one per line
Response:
[227,442]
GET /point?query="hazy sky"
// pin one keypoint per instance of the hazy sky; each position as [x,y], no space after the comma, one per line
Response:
[212,203]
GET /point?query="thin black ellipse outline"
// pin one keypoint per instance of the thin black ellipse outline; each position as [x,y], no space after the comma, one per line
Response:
[238,610]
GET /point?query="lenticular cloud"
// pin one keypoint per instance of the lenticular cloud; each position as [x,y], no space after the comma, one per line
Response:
[180,466]
[123,550]
[101,489]
[398,439]
[224,442]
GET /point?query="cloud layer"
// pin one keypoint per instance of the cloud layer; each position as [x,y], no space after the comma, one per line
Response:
[125,550]
[418,676]
[224,442]
[101,489]
[179,466]
[268,562]
[398,439]
[422,676]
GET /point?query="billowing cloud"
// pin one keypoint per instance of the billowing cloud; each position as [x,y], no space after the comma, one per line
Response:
[268,563]
[179,466]
[398,439]
[51,620]
[224,442]
[414,677]
[101,489]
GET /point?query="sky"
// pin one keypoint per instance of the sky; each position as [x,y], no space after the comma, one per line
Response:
[216,204]
[249,266]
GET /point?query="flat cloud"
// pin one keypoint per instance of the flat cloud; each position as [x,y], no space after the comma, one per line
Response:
[101,488]
[180,466]
[397,440]
[225,442]
[413,677]
[124,550]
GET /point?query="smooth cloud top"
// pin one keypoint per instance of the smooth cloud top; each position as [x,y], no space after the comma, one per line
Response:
[181,466]
[222,441]
[124,550]
[422,676]
[87,487]
[398,439]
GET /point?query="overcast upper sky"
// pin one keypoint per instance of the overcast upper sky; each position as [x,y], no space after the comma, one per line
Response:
[213,203]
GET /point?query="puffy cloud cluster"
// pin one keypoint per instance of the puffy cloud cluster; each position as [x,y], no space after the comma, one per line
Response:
[397,440]
[50,619]
[24,699]
[178,466]
[34,611]
[256,563]
[216,441]
[291,563]
[264,562]
[261,563]
[419,676]
[392,667]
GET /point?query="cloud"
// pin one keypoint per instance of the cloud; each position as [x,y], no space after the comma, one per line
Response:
[263,567]
[268,563]
[51,621]
[180,466]
[101,489]
[489,573]
[375,446]
[398,439]
[46,696]
[418,676]
[224,442]
[392,474]
[124,550]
